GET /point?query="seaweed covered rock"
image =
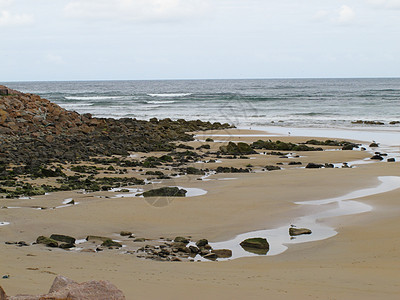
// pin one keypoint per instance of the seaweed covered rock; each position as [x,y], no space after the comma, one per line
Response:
[47,241]
[63,238]
[282,146]
[255,245]
[165,192]
[237,149]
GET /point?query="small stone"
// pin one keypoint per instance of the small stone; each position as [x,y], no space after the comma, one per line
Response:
[211,256]
[222,253]
[180,239]
[201,243]
[299,231]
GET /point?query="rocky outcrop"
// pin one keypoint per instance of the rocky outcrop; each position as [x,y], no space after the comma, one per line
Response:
[64,288]
[35,129]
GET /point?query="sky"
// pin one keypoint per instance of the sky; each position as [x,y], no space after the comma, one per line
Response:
[198,39]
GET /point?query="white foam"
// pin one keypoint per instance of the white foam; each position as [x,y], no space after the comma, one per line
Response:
[170,95]
[4,223]
[94,97]
[279,238]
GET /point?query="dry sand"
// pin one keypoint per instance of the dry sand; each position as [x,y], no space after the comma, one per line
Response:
[361,262]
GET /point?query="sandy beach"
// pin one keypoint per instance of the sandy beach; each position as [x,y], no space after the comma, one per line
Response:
[360,262]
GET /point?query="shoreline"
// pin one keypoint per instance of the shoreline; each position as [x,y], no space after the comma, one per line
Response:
[207,215]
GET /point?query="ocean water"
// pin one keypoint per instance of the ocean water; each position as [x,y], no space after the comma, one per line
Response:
[319,103]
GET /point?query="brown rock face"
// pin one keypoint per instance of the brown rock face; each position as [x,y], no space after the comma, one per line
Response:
[66,289]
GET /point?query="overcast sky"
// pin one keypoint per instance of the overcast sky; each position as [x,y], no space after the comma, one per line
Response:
[198,39]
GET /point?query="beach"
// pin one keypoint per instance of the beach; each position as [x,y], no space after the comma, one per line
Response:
[358,260]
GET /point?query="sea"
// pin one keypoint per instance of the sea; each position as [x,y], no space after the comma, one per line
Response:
[308,103]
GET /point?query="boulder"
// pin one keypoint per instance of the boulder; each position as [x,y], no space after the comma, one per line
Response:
[391,159]
[64,288]
[180,239]
[222,253]
[377,157]
[211,256]
[125,233]
[256,245]
[314,166]
[111,243]
[165,192]
[47,241]
[63,238]
[299,231]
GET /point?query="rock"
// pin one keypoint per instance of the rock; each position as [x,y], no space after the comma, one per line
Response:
[201,243]
[97,238]
[66,245]
[165,192]
[314,166]
[3,295]
[46,241]
[377,157]
[222,253]
[272,168]
[237,149]
[299,231]
[125,233]
[391,159]
[256,245]
[63,238]
[64,288]
[59,283]
[180,239]
[139,240]
[211,256]
[374,145]
[194,249]
[111,243]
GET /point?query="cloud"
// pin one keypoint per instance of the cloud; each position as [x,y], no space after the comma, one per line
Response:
[135,10]
[10,19]
[387,4]
[343,15]
[346,14]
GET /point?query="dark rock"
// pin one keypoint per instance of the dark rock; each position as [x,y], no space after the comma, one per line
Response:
[299,231]
[222,253]
[374,145]
[125,233]
[391,159]
[272,168]
[201,243]
[97,238]
[180,239]
[256,245]
[111,243]
[165,192]
[63,238]
[377,157]
[211,256]
[313,166]
[46,241]
[139,240]
[237,149]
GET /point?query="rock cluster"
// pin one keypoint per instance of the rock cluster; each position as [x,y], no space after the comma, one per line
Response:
[179,250]
[33,128]
[64,288]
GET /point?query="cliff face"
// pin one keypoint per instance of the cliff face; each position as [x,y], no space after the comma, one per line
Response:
[33,129]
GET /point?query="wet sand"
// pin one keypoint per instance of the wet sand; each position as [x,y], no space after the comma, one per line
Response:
[360,262]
